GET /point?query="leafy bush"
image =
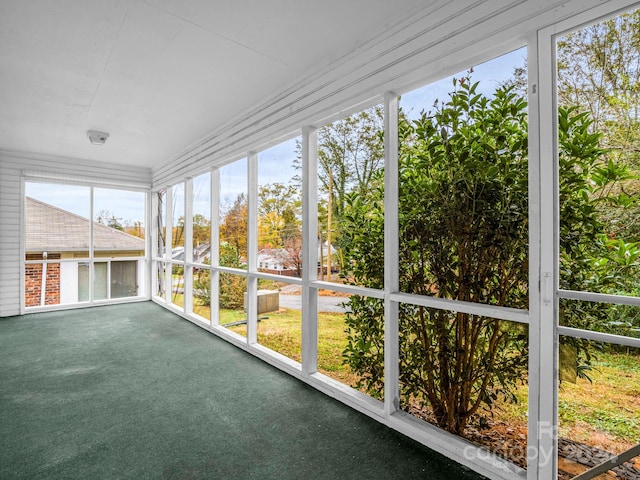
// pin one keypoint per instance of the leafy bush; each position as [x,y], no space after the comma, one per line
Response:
[463,214]
[232,287]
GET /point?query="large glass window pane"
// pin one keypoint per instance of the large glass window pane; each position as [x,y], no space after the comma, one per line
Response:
[466,374]
[280,318]
[124,279]
[232,304]
[463,235]
[233,215]
[351,340]
[599,159]
[119,223]
[598,406]
[463,202]
[161,275]
[177,284]
[201,245]
[177,239]
[351,199]
[201,242]
[83,281]
[279,211]
[202,293]
[57,225]
[100,281]
[162,223]
[600,317]
[178,245]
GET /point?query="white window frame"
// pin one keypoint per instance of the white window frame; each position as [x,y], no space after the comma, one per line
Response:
[143,290]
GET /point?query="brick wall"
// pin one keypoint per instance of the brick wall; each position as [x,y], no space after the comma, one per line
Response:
[33,282]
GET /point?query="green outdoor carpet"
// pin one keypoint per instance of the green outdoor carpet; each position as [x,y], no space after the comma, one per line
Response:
[134,391]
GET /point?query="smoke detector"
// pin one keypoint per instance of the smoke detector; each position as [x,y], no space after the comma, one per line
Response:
[97,138]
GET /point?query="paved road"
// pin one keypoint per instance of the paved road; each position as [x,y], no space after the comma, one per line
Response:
[325,303]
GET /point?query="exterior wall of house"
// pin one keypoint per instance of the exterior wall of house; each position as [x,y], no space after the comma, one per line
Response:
[14,168]
[33,282]
[62,281]
[282,272]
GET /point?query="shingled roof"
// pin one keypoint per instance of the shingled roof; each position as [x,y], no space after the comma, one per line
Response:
[51,229]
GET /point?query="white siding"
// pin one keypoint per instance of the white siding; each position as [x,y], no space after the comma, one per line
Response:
[10,194]
[12,168]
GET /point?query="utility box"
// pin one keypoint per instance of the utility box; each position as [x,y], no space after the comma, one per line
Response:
[268,301]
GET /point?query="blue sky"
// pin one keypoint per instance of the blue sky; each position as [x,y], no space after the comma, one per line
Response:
[490,75]
[274,164]
[125,205]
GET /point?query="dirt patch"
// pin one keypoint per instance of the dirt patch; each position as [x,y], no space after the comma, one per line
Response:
[509,441]
[331,293]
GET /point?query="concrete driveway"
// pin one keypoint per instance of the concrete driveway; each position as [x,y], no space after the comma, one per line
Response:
[325,303]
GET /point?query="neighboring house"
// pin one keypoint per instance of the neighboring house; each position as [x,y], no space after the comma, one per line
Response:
[288,261]
[322,259]
[201,254]
[56,234]
[280,261]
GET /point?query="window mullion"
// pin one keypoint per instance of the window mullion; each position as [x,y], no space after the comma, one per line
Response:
[309,251]
[188,247]
[168,244]
[152,220]
[391,255]
[92,269]
[214,254]
[543,365]
[252,249]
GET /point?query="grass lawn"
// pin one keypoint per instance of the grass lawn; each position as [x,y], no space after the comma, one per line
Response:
[605,413]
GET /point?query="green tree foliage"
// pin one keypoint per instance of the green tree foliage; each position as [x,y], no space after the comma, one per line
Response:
[463,235]
[279,219]
[232,287]
[178,233]
[363,230]
[591,258]
[350,153]
[201,229]
[350,150]
[599,71]
[233,251]
[463,215]
[202,286]
[233,232]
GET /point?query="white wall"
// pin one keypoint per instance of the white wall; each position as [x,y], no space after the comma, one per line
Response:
[13,167]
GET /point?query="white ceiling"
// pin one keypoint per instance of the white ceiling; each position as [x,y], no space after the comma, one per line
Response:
[157,75]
